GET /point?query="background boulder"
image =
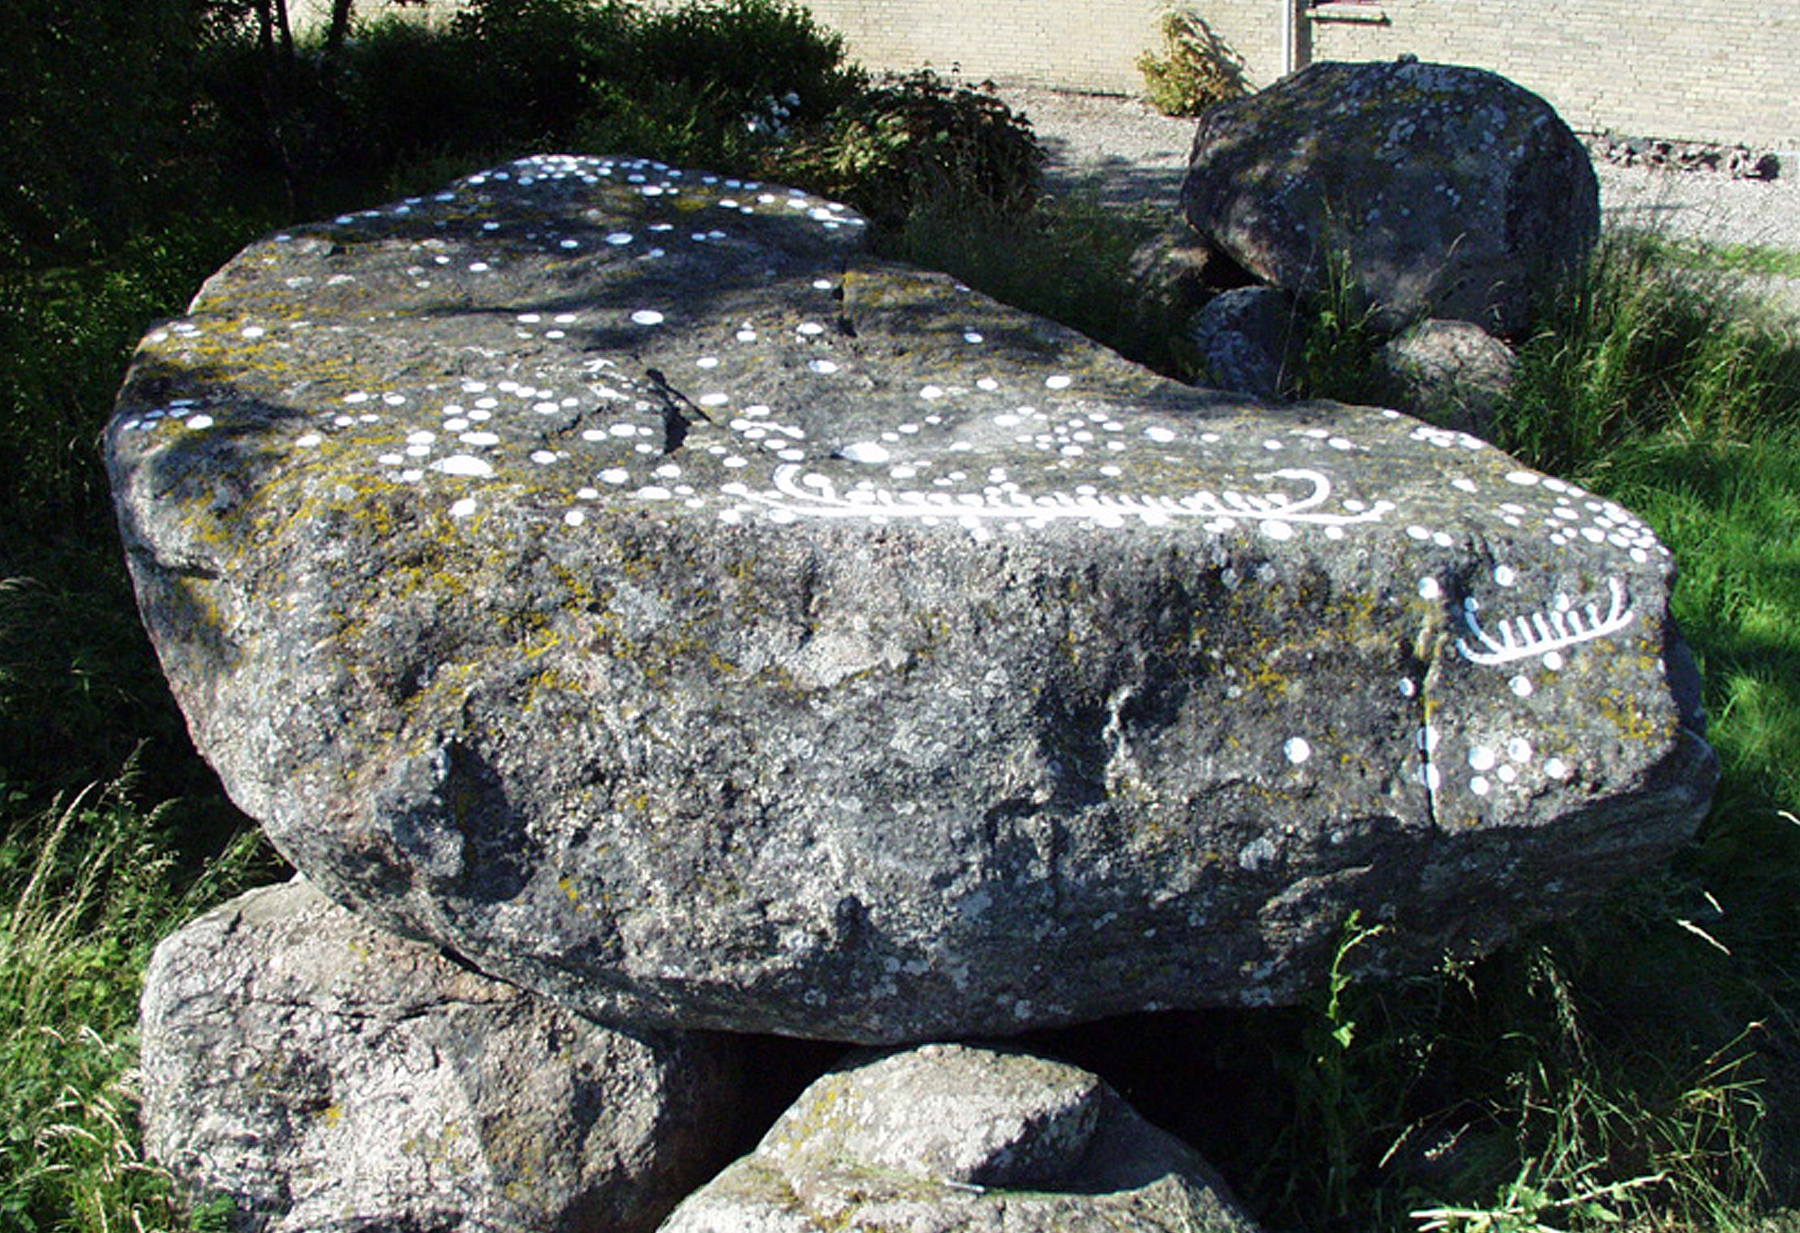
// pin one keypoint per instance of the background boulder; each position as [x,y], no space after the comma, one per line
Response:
[1441,191]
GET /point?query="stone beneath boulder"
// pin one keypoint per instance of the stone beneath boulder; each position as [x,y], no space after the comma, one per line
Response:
[1451,373]
[622,580]
[952,1138]
[1248,340]
[325,1077]
[1447,191]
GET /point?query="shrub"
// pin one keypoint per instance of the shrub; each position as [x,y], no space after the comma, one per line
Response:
[755,59]
[1195,71]
[918,143]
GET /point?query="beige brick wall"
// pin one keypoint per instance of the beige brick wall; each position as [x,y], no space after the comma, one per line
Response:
[1708,70]
[1716,70]
[1705,70]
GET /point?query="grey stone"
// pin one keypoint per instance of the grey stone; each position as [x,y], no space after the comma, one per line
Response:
[325,1076]
[1168,274]
[717,627]
[1449,191]
[1248,340]
[1450,373]
[953,1137]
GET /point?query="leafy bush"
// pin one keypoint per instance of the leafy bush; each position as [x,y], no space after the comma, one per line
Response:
[919,143]
[753,58]
[1195,71]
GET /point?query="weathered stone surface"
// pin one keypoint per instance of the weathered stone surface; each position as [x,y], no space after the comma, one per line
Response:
[1452,373]
[1248,340]
[642,592]
[325,1076]
[1451,191]
[955,1138]
[1168,274]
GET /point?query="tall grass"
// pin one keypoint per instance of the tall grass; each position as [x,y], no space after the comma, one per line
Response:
[1641,347]
[92,884]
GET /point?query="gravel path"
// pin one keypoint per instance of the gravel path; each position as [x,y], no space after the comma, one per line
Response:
[1126,153]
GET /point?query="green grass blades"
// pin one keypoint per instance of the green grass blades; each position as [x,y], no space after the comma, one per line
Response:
[1638,347]
[90,886]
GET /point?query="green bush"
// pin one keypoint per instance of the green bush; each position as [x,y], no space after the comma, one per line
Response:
[763,64]
[920,144]
[1195,71]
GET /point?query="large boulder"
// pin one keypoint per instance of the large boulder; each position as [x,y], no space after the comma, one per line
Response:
[959,1139]
[1434,190]
[322,1076]
[624,581]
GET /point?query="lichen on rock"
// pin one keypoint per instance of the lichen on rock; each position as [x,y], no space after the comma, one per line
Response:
[617,576]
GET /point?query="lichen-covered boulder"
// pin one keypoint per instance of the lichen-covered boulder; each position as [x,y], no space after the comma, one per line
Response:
[959,1139]
[1444,191]
[323,1076]
[1249,340]
[1452,372]
[619,578]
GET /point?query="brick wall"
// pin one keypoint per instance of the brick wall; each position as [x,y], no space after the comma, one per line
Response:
[1698,70]
[1722,70]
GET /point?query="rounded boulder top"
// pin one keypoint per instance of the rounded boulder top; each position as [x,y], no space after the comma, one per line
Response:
[1429,190]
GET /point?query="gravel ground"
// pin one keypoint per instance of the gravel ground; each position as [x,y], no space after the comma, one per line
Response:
[1126,153]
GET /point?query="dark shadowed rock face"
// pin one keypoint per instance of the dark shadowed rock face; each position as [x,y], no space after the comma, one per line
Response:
[1449,191]
[620,579]
[956,1139]
[324,1076]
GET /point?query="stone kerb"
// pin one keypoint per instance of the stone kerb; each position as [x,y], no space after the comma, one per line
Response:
[618,577]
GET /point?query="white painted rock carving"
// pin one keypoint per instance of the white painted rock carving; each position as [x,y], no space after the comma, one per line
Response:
[324,1077]
[959,1139]
[619,578]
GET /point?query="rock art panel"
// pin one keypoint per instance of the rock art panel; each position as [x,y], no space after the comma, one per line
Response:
[1444,191]
[325,1076]
[953,1137]
[615,575]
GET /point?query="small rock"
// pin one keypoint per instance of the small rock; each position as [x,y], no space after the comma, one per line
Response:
[1450,373]
[1248,341]
[328,1077]
[954,1137]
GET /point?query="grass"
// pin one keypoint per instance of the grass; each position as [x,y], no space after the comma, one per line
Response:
[1639,1066]
[93,883]
[1756,260]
